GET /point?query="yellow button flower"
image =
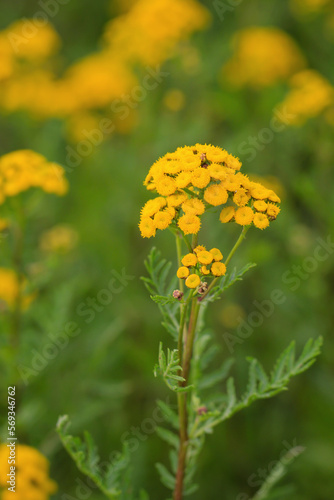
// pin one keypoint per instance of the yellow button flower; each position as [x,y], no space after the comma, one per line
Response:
[273,211]
[261,221]
[193,281]
[244,216]
[216,253]
[199,248]
[200,177]
[260,205]
[193,206]
[216,195]
[147,227]
[205,257]
[189,260]
[218,269]
[189,224]
[227,214]
[182,272]
[204,270]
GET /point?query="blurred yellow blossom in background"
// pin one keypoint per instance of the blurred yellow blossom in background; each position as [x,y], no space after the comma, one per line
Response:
[11,287]
[32,480]
[262,56]
[25,169]
[59,239]
[310,95]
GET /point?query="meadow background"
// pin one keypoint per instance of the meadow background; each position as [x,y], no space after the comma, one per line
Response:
[103,378]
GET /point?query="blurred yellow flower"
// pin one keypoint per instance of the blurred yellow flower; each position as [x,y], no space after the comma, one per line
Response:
[59,239]
[10,288]
[149,32]
[174,99]
[262,57]
[32,41]
[25,169]
[310,95]
[32,480]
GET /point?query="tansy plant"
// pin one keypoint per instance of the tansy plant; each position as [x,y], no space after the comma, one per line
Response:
[188,183]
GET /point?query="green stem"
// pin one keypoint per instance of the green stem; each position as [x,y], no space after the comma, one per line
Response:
[229,257]
[237,244]
[182,401]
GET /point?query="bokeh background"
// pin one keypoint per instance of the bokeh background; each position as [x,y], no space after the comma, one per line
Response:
[254,77]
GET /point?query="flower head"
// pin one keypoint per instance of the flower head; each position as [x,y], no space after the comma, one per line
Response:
[195,179]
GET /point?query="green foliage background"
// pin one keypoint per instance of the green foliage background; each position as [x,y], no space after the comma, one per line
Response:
[104,378]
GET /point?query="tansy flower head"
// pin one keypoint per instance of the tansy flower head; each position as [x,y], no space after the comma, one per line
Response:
[189,224]
[199,248]
[244,216]
[218,269]
[272,210]
[261,221]
[193,281]
[189,260]
[147,227]
[182,272]
[216,253]
[205,257]
[260,205]
[205,270]
[192,180]
[226,214]
[162,219]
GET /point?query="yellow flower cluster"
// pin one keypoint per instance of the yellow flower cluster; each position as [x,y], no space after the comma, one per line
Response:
[201,263]
[25,169]
[262,56]
[32,480]
[195,179]
[10,288]
[147,34]
[310,95]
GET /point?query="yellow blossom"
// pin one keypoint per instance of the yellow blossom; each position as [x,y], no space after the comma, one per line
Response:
[216,253]
[189,260]
[260,205]
[310,94]
[182,272]
[61,239]
[204,270]
[200,178]
[216,195]
[244,216]
[193,281]
[193,206]
[199,248]
[205,257]
[189,224]
[32,474]
[272,210]
[261,221]
[218,269]
[165,185]
[147,227]
[262,56]
[162,219]
[227,214]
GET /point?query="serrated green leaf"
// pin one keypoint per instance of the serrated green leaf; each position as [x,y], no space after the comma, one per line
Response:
[166,477]
[211,379]
[169,415]
[168,436]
